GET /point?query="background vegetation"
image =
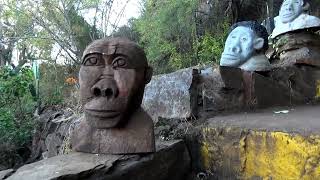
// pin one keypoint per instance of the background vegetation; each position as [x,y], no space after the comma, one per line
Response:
[174,33]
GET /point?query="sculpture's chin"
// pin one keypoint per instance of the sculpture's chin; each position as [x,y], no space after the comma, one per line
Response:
[286,18]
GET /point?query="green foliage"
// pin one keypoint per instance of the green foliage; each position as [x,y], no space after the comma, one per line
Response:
[16,106]
[128,31]
[167,30]
[168,33]
[211,46]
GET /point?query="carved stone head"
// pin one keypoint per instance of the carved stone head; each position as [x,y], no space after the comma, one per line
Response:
[112,77]
[246,39]
[290,9]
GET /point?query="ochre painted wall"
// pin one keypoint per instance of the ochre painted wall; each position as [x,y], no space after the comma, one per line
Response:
[249,154]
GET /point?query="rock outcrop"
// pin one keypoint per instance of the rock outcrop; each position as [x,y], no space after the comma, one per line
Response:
[301,47]
[52,135]
[171,161]
[172,95]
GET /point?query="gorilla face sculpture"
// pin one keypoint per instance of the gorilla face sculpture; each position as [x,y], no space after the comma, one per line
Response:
[112,77]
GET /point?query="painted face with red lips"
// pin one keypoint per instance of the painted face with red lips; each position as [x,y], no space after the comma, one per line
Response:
[112,79]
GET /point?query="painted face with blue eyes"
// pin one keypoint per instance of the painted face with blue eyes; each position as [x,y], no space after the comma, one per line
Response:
[112,80]
[290,9]
[240,45]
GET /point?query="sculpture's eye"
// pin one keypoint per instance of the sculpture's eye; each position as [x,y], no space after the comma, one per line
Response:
[233,37]
[92,60]
[244,39]
[119,62]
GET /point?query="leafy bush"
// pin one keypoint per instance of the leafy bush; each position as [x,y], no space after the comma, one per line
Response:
[170,34]
[167,32]
[16,112]
[211,45]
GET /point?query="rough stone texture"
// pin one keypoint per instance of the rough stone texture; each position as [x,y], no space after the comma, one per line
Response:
[227,89]
[215,96]
[171,161]
[4,174]
[170,95]
[302,47]
[53,133]
[300,81]
[264,144]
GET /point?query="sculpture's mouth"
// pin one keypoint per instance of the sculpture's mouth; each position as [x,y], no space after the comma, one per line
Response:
[103,113]
[229,56]
[287,15]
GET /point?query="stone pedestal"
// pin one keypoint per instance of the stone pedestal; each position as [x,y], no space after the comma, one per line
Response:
[257,89]
[171,161]
[299,47]
[281,86]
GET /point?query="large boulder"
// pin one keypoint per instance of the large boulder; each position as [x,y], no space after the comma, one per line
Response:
[172,95]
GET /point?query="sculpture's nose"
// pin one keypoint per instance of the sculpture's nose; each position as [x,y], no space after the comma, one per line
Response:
[106,87]
[235,49]
[289,7]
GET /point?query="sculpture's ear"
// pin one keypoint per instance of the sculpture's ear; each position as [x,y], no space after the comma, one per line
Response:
[148,74]
[258,43]
[305,6]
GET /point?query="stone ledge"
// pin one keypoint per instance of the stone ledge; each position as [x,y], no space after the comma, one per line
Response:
[263,145]
[301,119]
[171,161]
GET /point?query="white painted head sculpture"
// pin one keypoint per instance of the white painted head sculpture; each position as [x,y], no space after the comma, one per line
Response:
[245,47]
[292,17]
[290,9]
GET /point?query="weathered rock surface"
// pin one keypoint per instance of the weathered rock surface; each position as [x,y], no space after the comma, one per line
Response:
[214,95]
[171,161]
[52,134]
[302,47]
[226,89]
[301,82]
[171,95]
